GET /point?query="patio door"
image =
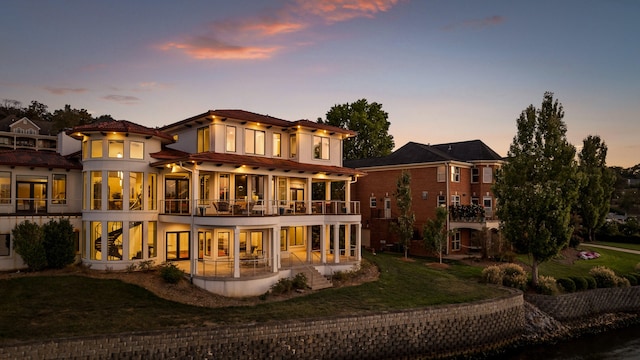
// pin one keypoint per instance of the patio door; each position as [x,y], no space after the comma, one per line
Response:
[178,246]
[31,195]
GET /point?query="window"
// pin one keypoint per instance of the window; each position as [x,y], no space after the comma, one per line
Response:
[487,175]
[85,149]
[253,141]
[152,239]
[277,145]
[5,245]
[136,150]
[5,187]
[135,240]
[223,185]
[223,243]
[116,149]
[283,239]
[152,190]
[455,174]
[178,245]
[372,202]
[455,241]
[176,195]
[320,147]
[475,175]
[96,148]
[475,201]
[31,194]
[84,191]
[96,240]
[114,240]
[203,139]
[296,236]
[442,177]
[231,139]
[442,201]
[59,189]
[96,190]
[455,200]
[135,190]
[114,188]
[293,146]
[256,243]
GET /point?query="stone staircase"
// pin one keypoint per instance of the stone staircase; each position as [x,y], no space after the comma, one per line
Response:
[315,279]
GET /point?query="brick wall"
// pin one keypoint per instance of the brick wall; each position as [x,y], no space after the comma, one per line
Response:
[433,331]
[581,305]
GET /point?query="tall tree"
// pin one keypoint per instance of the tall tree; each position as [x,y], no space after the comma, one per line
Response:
[435,231]
[404,225]
[597,186]
[68,118]
[371,123]
[37,111]
[538,185]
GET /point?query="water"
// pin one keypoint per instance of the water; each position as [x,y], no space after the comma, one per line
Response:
[622,344]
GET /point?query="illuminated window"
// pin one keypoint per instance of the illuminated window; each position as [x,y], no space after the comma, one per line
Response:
[296,236]
[135,240]
[116,149]
[231,139]
[5,187]
[223,243]
[203,139]
[95,248]
[96,190]
[135,190]
[113,242]
[253,141]
[293,146]
[136,150]
[320,147]
[96,148]
[152,189]
[115,188]
[59,189]
[277,145]
[85,149]
[455,174]
[152,239]
[178,245]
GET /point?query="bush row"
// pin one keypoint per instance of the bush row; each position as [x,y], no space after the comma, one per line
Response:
[48,246]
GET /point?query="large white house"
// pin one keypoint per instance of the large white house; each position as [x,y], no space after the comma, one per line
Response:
[236,199]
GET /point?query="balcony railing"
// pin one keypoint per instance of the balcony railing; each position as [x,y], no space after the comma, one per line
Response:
[467,213]
[218,207]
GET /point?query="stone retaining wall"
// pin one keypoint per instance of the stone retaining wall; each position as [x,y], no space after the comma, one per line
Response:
[433,332]
[583,304]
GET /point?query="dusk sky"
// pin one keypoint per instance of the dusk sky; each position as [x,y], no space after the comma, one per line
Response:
[444,71]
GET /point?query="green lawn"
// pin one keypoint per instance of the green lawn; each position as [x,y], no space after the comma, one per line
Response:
[620,262]
[40,307]
[619,245]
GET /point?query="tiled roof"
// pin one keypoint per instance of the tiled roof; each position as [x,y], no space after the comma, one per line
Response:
[243,115]
[415,153]
[119,126]
[167,156]
[44,159]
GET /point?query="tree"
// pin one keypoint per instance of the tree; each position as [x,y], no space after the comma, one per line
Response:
[27,242]
[11,107]
[59,243]
[370,121]
[538,185]
[595,193]
[404,225]
[435,231]
[37,111]
[68,118]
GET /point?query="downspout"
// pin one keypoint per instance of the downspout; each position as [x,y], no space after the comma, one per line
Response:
[194,237]
[447,174]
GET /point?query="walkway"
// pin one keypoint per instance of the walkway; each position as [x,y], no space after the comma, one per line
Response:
[613,248]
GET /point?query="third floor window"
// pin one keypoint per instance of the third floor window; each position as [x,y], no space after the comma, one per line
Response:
[320,147]
[203,139]
[253,141]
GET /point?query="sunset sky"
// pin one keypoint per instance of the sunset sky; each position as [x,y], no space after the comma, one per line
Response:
[444,71]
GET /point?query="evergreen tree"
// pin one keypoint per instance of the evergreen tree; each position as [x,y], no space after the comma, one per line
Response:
[538,185]
[595,193]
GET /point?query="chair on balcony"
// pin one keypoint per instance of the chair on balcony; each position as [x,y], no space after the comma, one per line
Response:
[222,207]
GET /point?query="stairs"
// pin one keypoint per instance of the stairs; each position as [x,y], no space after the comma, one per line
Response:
[315,279]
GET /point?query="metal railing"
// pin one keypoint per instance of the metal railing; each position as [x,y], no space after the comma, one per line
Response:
[223,207]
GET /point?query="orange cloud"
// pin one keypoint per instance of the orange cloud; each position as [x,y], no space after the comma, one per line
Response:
[62,91]
[203,48]
[342,10]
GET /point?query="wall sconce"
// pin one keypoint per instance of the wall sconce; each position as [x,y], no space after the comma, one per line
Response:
[425,195]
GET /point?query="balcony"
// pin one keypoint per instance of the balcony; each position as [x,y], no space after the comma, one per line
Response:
[206,207]
[472,216]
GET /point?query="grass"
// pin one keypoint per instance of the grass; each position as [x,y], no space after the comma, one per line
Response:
[620,262]
[620,245]
[43,307]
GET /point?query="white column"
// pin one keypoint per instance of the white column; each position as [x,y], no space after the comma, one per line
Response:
[358,241]
[323,244]
[336,243]
[347,240]
[275,249]
[309,237]
[236,252]
[347,196]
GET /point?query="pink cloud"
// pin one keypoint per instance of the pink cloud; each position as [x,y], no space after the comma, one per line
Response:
[123,99]
[477,23]
[63,91]
[263,36]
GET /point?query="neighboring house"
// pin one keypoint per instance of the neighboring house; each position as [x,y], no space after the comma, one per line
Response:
[236,199]
[22,133]
[457,175]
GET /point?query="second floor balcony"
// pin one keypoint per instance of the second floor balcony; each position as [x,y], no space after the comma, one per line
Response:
[223,207]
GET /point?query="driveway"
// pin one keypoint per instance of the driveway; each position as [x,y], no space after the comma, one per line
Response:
[613,248]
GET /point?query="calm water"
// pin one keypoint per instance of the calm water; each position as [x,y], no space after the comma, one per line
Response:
[623,344]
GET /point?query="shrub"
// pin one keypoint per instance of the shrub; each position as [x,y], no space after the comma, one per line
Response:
[28,243]
[633,280]
[622,282]
[146,265]
[567,285]
[514,276]
[579,282]
[58,243]
[492,275]
[171,273]
[299,281]
[605,277]
[283,286]
[547,285]
[591,282]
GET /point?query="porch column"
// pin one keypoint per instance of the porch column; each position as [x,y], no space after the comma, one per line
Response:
[336,243]
[275,249]
[323,244]
[358,241]
[309,245]
[195,190]
[307,195]
[269,198]
[347,240]
[347,196]
[236,252]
